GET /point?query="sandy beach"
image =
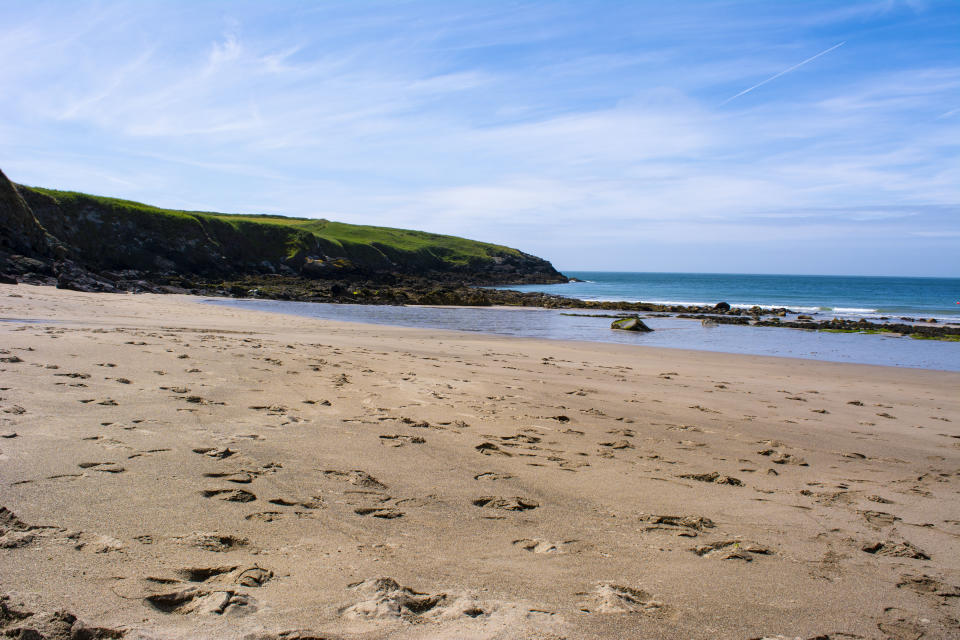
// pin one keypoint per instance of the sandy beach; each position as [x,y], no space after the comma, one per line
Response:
[176,470]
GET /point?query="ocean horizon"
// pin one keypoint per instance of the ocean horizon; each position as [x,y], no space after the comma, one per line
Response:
[869,297]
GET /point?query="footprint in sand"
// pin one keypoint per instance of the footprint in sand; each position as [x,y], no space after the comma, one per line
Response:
[714,477]
[686,526]
[385,513]
[313,502]
[106,467]
[900,624]
[618,444]
[202,601]
[239,477]
[928,585]
[782,457]
[20,622]
[539,545]
[520,438]
[490,449]
[895,550]
[611,598]
[217,542]
[355,477]
[250,576]
[879,518]
[264,516]
[14,533]
[515,503]
[386,599]
[148,452]
[229,495]
[492,475]
[215,452]
[732,550]
[398,439]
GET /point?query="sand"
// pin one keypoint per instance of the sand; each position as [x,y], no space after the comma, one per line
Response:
[176,470]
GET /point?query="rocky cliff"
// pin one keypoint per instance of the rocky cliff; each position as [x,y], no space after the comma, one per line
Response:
[90,242]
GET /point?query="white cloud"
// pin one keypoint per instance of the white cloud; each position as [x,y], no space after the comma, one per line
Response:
[458,121]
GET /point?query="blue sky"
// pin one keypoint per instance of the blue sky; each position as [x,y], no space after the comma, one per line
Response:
[759,137]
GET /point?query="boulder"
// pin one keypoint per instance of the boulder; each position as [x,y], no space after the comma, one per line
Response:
[721,306]
[71,276]
[630,324]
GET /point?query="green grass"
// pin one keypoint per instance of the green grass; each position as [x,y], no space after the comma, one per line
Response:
[916,336]
[273,236]
[451,249]
[946,338]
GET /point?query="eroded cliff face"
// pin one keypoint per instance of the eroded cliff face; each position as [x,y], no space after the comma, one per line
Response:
[100,244]
[20,232]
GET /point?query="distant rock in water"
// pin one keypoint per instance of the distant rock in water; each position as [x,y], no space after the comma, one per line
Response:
[630,324]
[722,306]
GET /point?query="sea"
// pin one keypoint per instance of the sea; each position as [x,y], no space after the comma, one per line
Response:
[870,297]
[873,298]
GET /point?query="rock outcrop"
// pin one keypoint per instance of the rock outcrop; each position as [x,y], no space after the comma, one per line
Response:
[630,324]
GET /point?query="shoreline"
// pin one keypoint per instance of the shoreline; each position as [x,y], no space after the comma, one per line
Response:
[671,331]
[178,470]
[857,351]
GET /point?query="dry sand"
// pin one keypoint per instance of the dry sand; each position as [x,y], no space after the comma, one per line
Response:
[176,470]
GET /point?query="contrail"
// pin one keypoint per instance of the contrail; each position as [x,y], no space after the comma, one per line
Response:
[785,71]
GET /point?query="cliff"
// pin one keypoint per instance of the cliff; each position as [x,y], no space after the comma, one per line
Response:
[100,243]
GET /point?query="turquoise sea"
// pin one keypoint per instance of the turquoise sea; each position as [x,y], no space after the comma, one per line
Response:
[844,296]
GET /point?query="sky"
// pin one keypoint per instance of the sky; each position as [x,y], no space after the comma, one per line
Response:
[701,136]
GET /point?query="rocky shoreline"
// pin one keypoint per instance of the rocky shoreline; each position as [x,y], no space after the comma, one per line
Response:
[451,290]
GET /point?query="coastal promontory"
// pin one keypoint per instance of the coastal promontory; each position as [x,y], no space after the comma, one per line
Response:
[94,243]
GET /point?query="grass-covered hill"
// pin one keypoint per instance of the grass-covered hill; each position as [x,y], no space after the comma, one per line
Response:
[110,235]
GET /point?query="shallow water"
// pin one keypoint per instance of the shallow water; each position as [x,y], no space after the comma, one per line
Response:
[669,332]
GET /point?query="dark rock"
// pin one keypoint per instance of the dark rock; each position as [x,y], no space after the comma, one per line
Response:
[19,264]
[721,306]
[630,324]
[6,279]
[73,277]
[20,232]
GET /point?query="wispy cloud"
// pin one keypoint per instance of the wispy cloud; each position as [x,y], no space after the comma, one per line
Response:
[782,73]
[558,129]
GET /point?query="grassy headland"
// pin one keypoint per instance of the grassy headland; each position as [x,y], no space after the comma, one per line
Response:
[296,241]
[91,242]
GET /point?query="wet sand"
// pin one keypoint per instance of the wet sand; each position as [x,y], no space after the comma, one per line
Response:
[176,470]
